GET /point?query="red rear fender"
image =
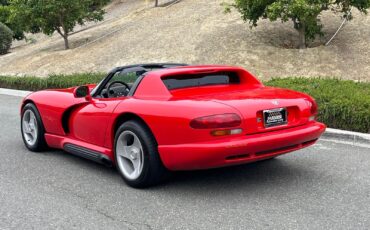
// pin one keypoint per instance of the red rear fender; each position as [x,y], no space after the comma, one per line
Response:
[169,121]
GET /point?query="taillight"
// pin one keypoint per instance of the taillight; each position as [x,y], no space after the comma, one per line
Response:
[313,107]
[227,120]
[225,132]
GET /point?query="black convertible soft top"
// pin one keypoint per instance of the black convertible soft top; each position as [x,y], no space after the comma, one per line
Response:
[147,67]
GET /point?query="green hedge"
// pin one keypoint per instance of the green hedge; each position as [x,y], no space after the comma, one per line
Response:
[342,104]
[51,82]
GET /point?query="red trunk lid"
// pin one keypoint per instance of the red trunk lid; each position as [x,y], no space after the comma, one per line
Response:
[250,103]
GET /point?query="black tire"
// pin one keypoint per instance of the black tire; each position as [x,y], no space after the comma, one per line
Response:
[40,143]
[153,171]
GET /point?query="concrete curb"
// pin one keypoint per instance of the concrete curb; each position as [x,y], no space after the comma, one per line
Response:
[336,134]
[348,136]
[13,92]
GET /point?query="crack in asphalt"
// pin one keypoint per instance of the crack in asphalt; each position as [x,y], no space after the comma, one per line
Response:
[88,205]
[132,224]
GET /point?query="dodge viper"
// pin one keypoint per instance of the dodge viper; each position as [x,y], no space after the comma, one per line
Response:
[172,117]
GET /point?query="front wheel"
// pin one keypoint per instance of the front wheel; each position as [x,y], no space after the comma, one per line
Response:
[136,155]
[32,128]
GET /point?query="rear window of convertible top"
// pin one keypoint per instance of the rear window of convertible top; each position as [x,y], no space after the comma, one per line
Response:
[198,80]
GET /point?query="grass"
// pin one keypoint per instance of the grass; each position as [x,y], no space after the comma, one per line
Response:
[342,104]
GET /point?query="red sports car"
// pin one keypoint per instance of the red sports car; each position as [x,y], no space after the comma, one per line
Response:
[173,117]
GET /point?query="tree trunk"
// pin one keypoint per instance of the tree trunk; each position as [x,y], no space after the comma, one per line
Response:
[302,35]
[63,33]
[156,3]
[66,42]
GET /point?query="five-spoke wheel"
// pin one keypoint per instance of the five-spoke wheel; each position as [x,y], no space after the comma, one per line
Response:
[130,155]
[136,155]
[29,127]
[32,128]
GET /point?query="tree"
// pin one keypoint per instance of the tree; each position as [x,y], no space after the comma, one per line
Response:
[5,18]
[61,16]
[303,13]
[156,3]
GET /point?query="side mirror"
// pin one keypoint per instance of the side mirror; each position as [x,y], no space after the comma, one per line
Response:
[82,91]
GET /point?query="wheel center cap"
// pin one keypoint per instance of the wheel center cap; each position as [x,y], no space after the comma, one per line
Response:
[133,154]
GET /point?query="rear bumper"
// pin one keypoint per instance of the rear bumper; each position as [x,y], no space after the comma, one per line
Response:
[239,150]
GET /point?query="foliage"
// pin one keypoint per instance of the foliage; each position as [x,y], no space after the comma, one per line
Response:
[303,13]
[5,13]
[342,104]
[62,16]
[6,37]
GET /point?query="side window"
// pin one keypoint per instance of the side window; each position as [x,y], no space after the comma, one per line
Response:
[119,84]
[124,77]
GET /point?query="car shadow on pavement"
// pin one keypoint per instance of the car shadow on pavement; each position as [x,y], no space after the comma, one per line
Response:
[281,171]
[81,162]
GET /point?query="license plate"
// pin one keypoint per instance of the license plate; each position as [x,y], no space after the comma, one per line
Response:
[275,117]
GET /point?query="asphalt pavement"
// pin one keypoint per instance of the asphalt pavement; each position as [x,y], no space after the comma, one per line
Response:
[326,186]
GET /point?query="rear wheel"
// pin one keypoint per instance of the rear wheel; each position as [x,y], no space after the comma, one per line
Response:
[32,128]
[136,155]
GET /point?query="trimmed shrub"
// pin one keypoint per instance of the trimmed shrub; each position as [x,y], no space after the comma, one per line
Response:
[6,37]
[342,104]
[51,82]
[54,81]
